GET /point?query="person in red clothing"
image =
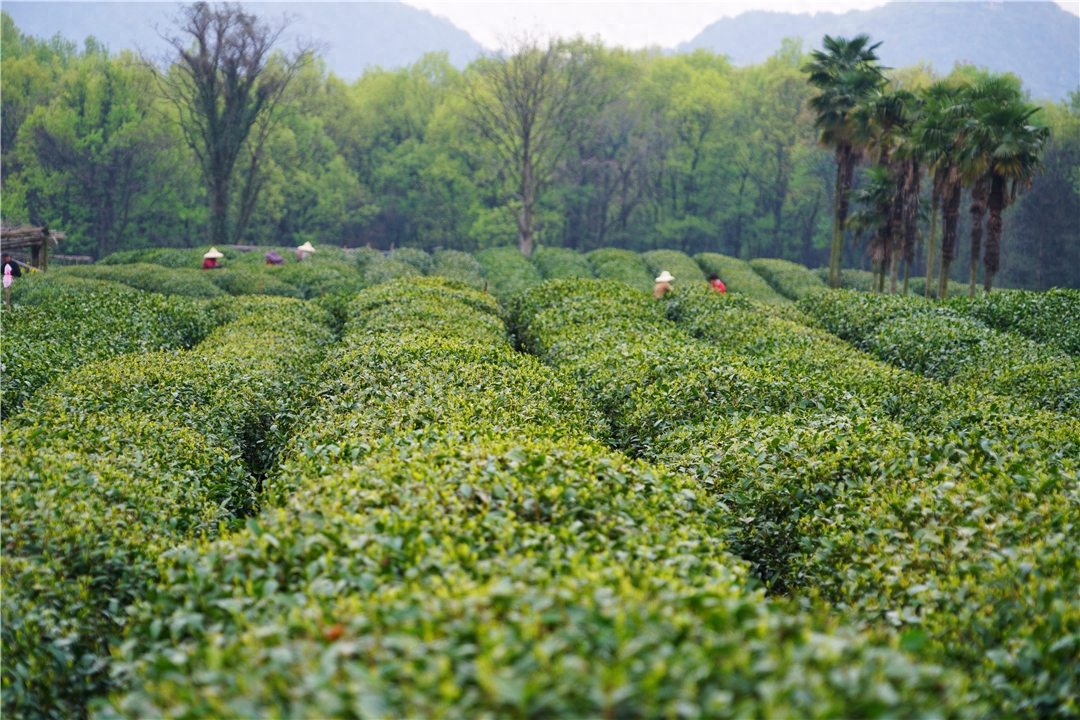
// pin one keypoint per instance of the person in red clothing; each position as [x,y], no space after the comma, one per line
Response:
[210,259]
[715,284]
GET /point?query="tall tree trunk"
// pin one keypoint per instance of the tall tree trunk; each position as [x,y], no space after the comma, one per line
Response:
[979,192]
[912,183]
[836,233]
[525,219]
[931,248]
[949,224]
[893,247]
[993,231]
[219,213]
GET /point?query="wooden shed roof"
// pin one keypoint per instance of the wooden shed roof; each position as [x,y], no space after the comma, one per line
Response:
[21,236]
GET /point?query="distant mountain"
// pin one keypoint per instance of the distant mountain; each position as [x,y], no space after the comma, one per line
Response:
[1039,41]
[355,35]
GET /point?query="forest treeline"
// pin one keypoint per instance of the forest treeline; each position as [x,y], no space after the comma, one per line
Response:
[633,149]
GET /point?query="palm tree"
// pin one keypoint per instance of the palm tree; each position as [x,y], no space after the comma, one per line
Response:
[845,72]
[937,137]
[875,200]
[1005,147]
[979,190]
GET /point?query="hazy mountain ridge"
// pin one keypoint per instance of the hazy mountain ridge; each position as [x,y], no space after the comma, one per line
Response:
[1039,41]
[353,35]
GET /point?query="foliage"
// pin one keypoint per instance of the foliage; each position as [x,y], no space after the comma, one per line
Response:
[151,278]
[387,270]
[739,277]
[469,540]
[908,515]
[936,341]
[417,258]
[791,280]
[118,461]
[507,270]
[558,263]
[622,266]
[241,281]
[456,265]
[1051,317]
[58,324]
[678,264]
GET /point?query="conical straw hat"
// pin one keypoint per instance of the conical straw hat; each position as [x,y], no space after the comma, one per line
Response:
[665,277]
[306,247]
[213,254]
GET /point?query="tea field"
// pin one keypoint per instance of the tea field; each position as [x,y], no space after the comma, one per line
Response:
[452,486]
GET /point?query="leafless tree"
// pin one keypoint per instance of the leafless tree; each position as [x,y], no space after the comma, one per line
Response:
[526,105]
[226,84]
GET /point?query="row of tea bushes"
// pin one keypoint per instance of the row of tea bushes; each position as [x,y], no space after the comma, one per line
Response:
[555,263]
[936,341]
[122,459]
[930,534]
[1051,316]
[962,530]
[622,266]
[739,277]
[508,272]
[791,280]
[149,278]
[59,323]
[455,544]
[679,264]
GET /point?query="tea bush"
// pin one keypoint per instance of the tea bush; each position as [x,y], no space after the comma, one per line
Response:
[415,257]
[738,277]
[122,459]
[1051,317]
[456,265]
[679,264]
[149,278]
[454,543]
[241,281]
[791,280]
[385,270]
[936,341]
[556,263]
[907,504]
[623,266]
[62,323]
[507,271]
[313,278]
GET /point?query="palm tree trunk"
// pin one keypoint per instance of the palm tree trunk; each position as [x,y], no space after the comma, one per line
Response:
[950,221]
[837,235]
[912,184]
[979,192]
[931,248]
[993,231]
[907,275]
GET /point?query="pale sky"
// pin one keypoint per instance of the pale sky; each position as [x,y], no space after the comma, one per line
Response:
[627,23]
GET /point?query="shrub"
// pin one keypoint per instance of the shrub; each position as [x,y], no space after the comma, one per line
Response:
[791,280]
[839,489]
[439,538]
[149,278]
[507,271]
[387,270]
[251,282]
[122,459]
[623,266]
[79,321]
[456,265]
[1051,317]
[916,334]
[738,277]
[363,256]
[679,264]
[850,279]
[556,263]
[313,279]
[415,257]
[175,258]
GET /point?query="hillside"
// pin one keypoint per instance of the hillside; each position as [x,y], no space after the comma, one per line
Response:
[1037,40]
[355,35]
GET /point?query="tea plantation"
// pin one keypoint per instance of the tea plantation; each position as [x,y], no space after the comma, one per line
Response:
[413,485]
